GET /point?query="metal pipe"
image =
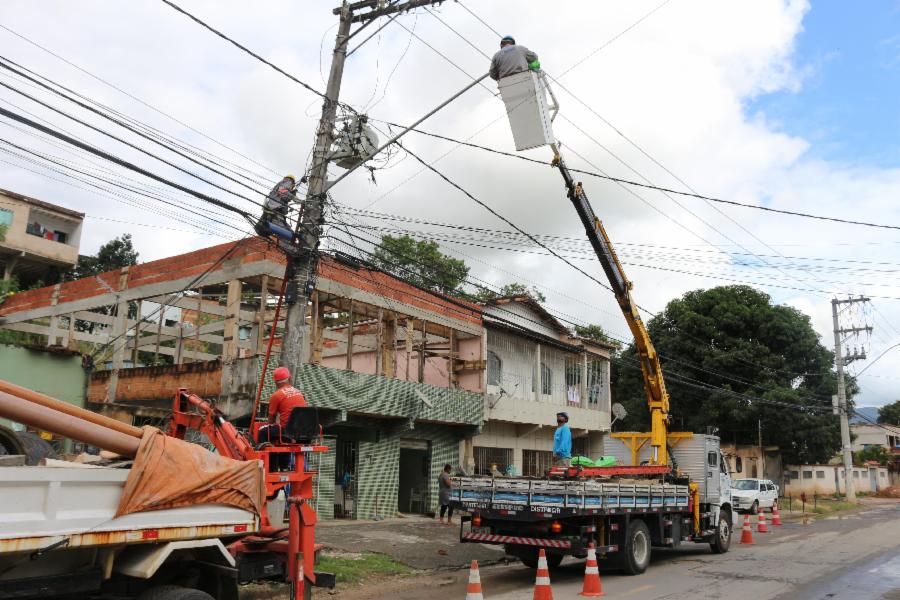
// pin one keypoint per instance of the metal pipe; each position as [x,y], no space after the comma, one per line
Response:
[54,421]
[69,409]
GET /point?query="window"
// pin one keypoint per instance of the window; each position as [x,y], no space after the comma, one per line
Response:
[883,475]
[820,474]
[536,463]
[486,457]
[856,474]
[546,379]
[6,217]
[712,459]
[494,368]
[580,446]
[807,474]
[865,475]
[738,464]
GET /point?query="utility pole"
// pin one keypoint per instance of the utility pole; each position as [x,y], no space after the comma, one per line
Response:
[302,274]
[841,360]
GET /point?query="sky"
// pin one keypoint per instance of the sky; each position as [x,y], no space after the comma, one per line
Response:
[783,104]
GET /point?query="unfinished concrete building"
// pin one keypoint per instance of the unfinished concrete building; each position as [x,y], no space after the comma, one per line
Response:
[396,407]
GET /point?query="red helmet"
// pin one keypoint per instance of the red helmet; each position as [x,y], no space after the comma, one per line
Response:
[281,374]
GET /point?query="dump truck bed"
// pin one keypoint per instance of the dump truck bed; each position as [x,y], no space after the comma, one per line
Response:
[41,506]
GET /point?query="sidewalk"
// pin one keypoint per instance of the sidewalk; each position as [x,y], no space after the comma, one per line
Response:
[418,542]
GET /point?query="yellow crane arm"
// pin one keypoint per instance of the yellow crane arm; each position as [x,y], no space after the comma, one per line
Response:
[654,385]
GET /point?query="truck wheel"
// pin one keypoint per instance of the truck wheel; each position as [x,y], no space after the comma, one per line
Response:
[722,540]
[635,555]
[35,448]
[530,559]
[174,592]
[754,510]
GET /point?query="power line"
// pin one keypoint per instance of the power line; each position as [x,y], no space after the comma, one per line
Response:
[123,163]
[135,98]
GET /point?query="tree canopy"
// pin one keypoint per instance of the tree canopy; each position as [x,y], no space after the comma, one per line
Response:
[889,414]
[421,263]
[734,338]
[114,254]
[509,290]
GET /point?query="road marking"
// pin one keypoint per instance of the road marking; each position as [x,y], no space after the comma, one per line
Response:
[641,588]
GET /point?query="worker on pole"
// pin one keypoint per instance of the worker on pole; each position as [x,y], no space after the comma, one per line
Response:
[276,208]
[511,59]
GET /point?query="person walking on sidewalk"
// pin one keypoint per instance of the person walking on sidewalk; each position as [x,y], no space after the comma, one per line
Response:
[444,485]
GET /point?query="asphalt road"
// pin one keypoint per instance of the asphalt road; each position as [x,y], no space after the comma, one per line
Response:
[855,557]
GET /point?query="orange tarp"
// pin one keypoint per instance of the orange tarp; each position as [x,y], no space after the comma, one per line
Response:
[170,473]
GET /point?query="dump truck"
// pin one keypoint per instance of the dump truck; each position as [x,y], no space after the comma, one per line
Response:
[667,488]
[168,520]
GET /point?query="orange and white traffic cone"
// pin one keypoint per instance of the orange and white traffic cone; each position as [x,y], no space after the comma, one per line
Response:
[776,516]
[747,532]
[592,587]
[542,589]
[473,590]
[761,526]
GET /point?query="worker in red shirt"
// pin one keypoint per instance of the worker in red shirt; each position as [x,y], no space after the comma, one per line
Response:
[285,399]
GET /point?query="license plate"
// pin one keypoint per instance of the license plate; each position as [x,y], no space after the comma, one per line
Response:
[481,530]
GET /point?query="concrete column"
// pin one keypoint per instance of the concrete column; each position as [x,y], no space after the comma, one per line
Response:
[261,337]
[120,321]
[53,331]
[9,266]
[379,343]
[537,373]
[232,321]
[137,336]
[70,337]
[350,318]
[583,388]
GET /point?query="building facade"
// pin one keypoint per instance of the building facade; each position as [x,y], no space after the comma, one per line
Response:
[41,239]
[536,369]
[830,479]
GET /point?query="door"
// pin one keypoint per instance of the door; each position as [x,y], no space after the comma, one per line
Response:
[769,497]
[415,468]
[873,480]
[713,472]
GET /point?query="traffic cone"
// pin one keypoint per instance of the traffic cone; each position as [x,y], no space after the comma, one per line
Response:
[473,590]
[747,532]
[761,526]
[776,516]
[542,589]
[592,587]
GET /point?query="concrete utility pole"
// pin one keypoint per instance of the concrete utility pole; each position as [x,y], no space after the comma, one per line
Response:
[309,229]
[840,360]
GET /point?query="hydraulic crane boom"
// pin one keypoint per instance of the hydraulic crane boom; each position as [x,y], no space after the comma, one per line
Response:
[654,385]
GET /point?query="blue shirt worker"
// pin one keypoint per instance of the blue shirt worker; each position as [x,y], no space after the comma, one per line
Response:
[562,441]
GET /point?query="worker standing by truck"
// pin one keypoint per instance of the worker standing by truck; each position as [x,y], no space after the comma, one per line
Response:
[512,59]
[562,441]
[276,208]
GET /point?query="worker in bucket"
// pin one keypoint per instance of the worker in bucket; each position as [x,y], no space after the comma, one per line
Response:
[285,399]
[511,59]
[562,441]
[275,209]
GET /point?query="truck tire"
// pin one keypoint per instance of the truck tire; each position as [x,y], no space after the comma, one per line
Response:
[530,559]
[35,448]
[174,592]
[722,539]
[10,443]
[635,553]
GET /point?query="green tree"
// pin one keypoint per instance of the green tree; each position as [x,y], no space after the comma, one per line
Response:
[114,254]
[733,339]
[889,414]
[421,263]
[594,332]
[876,453]
[510,290]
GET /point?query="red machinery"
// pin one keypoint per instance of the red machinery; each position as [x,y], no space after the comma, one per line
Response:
[295,547]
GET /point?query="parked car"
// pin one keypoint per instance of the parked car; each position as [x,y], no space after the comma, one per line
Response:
[749,495]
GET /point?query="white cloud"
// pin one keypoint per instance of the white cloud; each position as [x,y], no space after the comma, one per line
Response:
[678,84]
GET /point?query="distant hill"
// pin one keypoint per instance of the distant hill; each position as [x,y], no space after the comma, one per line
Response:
[869,412]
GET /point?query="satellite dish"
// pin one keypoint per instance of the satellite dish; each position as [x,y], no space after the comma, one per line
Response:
[618,412]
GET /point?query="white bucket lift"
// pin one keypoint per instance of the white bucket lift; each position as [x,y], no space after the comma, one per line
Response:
[530,114]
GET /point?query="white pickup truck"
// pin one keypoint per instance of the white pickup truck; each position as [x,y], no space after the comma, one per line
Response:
[751,495]
[59,538]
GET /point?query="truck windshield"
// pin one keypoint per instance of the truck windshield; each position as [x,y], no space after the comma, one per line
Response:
[746,484]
